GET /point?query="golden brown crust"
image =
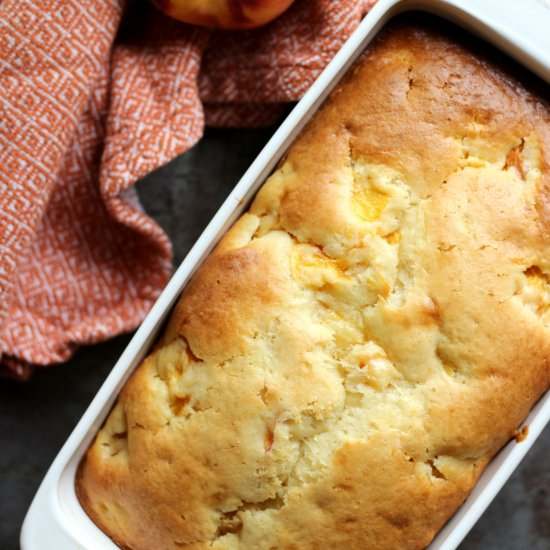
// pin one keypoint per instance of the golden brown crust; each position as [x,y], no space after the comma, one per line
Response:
[360,344]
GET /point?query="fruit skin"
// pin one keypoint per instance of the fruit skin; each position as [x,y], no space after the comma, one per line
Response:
[224,14]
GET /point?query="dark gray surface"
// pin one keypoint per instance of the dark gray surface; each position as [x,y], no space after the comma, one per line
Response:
[37,417]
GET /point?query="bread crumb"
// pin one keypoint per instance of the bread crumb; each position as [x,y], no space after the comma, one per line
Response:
[521,435]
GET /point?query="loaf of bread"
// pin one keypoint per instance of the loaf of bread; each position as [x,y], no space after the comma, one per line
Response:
[343,366]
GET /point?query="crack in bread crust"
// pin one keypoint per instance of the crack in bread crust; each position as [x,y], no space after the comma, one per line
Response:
[364,339]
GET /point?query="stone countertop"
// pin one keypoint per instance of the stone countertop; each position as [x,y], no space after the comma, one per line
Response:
[36,417]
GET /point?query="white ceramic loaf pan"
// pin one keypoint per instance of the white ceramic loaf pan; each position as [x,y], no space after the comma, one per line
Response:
[521,28]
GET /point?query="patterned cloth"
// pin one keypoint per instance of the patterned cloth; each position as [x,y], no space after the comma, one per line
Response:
[95,94]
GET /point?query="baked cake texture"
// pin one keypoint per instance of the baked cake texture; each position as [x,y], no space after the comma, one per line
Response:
[344,365]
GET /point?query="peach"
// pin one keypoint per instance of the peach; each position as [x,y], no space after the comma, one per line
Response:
[225,14]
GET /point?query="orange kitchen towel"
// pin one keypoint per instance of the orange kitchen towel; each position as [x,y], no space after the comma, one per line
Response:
[95,94]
